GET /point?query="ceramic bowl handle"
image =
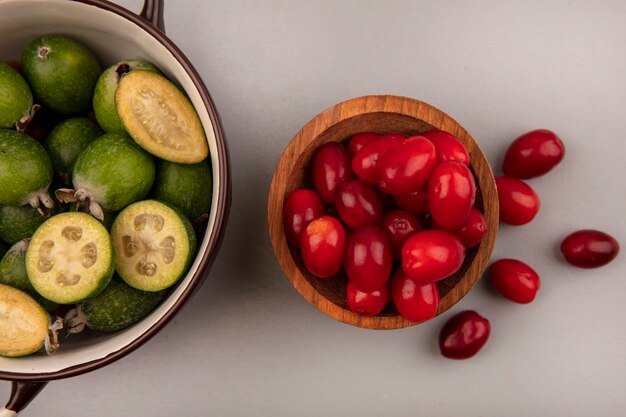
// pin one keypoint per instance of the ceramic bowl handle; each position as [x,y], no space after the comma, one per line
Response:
[22,393]
[153,12]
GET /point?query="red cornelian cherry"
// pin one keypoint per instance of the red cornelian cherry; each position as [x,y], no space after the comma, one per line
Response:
[473,229]
[533,154]
[368,259]
[367,303]
[300,208]
[589,248]
[415,301]
[432,255]
[514,280]
[464,335]
[406,167]
[365,161]
[451,193]
[400,225]
[358,204]
[330,166]
[359,140]
[414,201]
[448,147]
[519,203]
[323,245]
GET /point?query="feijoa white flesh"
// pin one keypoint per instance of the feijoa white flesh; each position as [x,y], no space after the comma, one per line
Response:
[154,245]
[25,171]
[70,258]
[23,323]
[160,118]
[16,97]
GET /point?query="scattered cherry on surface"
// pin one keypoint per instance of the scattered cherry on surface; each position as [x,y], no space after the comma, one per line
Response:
[589,248]
[514,280]
[464,335]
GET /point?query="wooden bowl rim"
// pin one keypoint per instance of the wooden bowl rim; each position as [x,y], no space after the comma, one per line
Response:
[341,112]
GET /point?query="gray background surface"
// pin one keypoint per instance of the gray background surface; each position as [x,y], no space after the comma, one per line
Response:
[248,345]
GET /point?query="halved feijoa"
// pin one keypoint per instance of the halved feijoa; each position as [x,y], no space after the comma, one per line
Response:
[16,98]
[66,141]
[186,186]
[154,245]
[17,223]
[62,73]
[25,171]
[70,258]
[13,273]
[110,173]
[23,323]
[160,117]
[117,307]
[104,94]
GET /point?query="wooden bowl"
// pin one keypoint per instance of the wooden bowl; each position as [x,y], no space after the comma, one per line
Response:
[380,114]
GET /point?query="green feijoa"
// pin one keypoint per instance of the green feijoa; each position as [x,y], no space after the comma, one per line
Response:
[23,323]
[160,118]
[104,94]
[13,273]
[154,245]
[17,223]
[15,96]
[66,141]
[118,307]
[70,258]
[187,187]
[111,173]
[25,171]
[62,73]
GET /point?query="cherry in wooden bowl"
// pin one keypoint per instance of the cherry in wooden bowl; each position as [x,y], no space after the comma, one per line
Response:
[381,114]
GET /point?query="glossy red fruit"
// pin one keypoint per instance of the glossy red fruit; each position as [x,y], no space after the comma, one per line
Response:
[432,255]
[367,303]
[464,335]
[415,201]
[369,259]
[329,167]
[473,229]
[514,280]
[519,203]
[365,162]
[358,204]
[448,147]
[400,225]
[300,208]
[407,167]
[323,245]
[533,154]
[359,140]
[451,193]
[589,248]
[415,301]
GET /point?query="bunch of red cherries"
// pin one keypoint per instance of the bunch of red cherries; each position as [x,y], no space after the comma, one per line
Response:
[410,201]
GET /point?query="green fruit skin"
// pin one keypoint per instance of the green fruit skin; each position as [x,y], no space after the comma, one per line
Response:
[104,94]
[25,167]
[13,273]
[63,78]
[118,307]
[16,98]
[188,187]
[17,223]
[115,171]
[66,141]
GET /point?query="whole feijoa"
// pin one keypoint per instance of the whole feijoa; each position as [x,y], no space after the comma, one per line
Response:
[111,173]
[187,187]
[117,307]
[104,94]
[17,223]
[66,141]
[25,171]
[62,73]
[16,98]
